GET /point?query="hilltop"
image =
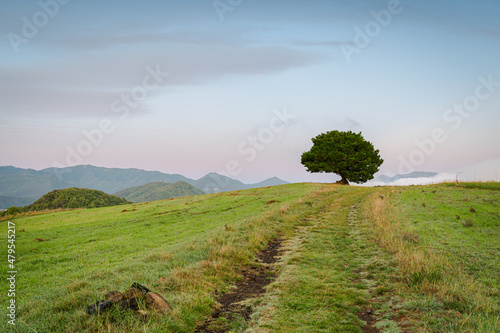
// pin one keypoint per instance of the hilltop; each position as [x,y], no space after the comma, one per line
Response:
[69,198]
[75,198]
[346,259]
[158,191]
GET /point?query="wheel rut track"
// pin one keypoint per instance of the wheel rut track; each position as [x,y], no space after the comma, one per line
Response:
[253,284]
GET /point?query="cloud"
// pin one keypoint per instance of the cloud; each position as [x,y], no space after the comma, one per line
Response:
[351,123]
[86,85]
[120,37]
[458,17]
[439,178]
[60,102]
[327,43]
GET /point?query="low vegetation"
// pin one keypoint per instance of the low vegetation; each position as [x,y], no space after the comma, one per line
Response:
[67,199]
[444,241]
[354,259]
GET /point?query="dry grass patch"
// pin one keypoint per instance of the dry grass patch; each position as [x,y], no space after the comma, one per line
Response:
[463,301]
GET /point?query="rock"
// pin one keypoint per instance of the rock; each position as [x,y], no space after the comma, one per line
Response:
[157,302]
[140,287]
[98,307]
[132,293]
[114,296]
[130,299]
[143,315]
[131,304]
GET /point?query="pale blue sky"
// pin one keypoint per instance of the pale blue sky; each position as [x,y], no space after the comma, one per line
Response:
[228,77]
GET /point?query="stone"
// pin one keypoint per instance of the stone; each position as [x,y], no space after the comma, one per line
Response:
[130,299]
[98,307]
[140,287]
[114,296]
[131,304]
[157,302]
[143,315]
[132,293]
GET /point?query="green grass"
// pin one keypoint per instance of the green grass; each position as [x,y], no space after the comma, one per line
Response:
[446,242]
[476,185]
[317,290]
[448,226]
[399,251]
[179,248]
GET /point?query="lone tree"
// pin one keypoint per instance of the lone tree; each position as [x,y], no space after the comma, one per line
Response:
[347,154]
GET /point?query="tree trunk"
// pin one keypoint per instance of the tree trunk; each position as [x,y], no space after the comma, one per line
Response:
[343,181]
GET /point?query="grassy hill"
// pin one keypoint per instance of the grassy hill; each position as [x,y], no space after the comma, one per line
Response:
[353,259]
[75,198]
[158,191]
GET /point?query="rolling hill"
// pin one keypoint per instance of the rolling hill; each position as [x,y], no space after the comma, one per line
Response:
[158,191]
[351,259]
[18,183]
[75,198]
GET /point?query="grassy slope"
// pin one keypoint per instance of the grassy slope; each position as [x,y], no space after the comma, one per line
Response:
[446,277]
[158,191]
[348,249]
[177,247]
[319,289]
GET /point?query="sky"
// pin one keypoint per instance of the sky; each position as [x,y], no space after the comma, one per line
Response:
[240,87]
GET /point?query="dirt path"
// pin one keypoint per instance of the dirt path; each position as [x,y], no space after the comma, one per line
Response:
[255,279]
[367,314]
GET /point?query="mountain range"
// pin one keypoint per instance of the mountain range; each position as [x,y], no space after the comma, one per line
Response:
[24,186]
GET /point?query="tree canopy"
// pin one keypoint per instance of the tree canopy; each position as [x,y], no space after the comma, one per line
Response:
[347,154]
[76,198]
[69,198]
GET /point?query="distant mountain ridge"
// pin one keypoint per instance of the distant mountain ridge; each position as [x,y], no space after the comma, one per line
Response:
[18,183]
[13,201]
[213,183]
[415,174]
[158,191]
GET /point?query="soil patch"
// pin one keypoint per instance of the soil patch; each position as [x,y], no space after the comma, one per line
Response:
[252,285]
[367,316]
